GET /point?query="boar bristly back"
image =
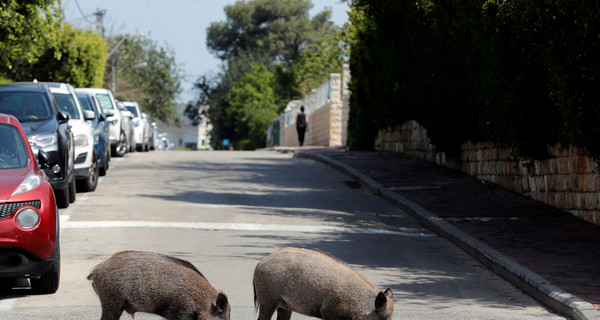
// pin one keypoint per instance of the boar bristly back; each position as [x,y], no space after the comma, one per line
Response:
[317,285]
[137,281]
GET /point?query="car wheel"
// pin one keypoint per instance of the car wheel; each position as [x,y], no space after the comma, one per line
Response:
[62,197]
[72,190]
[121,148]
[49,280]
[90,183]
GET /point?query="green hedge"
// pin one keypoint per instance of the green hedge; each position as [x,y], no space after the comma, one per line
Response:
[522,72]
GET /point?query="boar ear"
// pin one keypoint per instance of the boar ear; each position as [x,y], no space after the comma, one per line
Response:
[220,305]
[388,292]
[380,301]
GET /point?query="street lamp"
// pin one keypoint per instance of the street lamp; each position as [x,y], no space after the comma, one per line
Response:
[111,55]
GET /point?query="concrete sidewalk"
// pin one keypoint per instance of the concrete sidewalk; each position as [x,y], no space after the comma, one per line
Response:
[549,254]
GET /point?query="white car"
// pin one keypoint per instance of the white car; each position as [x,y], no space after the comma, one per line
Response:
[118,129]
[127,122]
[141,127]
[86,160]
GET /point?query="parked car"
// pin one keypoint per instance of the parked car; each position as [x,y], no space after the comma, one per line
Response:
[127,119]
[86,159]
[47,128]
[100,129]
[141,127]
[118,129]
[29,230]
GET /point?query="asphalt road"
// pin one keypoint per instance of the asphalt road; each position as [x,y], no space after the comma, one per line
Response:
[225,211]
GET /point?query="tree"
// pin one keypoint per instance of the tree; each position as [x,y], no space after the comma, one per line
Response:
[252,103]
[27,29]
[271,33]
[278,29]
[317,61]
[148,74]
[78,59]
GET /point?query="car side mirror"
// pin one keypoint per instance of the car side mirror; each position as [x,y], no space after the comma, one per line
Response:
[43,159]
[109,112]
[89,115]
[63,117]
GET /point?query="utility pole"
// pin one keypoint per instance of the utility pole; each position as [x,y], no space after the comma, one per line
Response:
[62,15]
[99,20]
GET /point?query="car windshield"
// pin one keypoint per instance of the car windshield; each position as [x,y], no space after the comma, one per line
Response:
[13,151]
[105,102]
[26,106]
[133,110]
[66,103]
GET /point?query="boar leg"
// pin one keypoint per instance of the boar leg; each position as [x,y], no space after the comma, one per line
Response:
[265,311]
[283,314]
[112,310]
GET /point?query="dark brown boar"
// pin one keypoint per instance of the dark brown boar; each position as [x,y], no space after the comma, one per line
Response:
[317,285]
[155,283]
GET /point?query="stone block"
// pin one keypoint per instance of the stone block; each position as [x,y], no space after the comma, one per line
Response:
[563,165]
[587,182]
[585,165]
[540,184]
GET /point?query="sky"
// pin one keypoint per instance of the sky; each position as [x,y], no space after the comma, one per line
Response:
[178,24]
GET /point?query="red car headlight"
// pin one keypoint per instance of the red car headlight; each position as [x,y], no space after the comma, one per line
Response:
[28,218]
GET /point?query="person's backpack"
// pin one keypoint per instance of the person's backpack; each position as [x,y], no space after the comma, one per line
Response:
[301,120]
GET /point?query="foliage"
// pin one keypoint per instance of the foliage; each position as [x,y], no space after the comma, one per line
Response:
[252,104]
[78,59]
[27,29]
[280,36]
[277,29]
[520,72]
[154,86]
[317,61]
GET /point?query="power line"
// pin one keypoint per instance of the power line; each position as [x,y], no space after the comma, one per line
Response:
[82,14]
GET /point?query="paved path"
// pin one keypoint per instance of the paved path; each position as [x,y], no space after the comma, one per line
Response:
[561,250]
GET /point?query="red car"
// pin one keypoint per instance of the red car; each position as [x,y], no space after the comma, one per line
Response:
[29,245]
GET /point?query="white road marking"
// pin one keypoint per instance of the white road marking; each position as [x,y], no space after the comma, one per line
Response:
[237,227]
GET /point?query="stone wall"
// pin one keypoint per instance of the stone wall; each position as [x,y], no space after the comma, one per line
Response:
[569,180]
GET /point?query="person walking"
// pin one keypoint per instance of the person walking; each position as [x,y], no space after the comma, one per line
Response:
[301,125]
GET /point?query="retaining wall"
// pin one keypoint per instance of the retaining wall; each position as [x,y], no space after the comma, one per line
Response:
[569,180]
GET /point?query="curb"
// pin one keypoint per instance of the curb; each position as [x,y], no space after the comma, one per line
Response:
[521,277]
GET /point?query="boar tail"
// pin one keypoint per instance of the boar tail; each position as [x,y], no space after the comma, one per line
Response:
[92,274]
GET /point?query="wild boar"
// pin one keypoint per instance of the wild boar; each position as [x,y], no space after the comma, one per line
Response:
[155,283]
[317,285]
